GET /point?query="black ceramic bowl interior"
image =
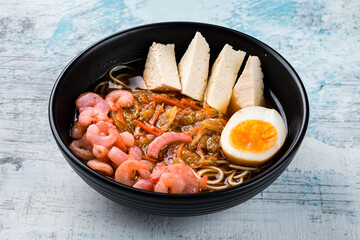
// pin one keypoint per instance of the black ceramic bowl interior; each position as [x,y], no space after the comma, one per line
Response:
[283,88]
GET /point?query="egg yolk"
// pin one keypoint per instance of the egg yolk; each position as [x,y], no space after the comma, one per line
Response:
[253,136]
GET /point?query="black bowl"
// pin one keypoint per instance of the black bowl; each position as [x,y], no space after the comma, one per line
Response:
[283,87]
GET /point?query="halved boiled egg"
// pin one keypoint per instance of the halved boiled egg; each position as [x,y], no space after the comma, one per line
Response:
[253,135]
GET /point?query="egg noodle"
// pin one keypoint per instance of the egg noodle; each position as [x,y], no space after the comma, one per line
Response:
[226,174]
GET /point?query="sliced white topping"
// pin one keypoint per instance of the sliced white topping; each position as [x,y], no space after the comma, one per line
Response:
[222,78]
[161,72]
[248,90]
[194,68]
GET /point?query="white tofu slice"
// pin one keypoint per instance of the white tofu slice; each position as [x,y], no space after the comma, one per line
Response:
[222,78]
[161,73]
[249,89]
[194,68]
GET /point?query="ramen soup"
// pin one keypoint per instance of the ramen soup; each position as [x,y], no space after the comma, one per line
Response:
[165,141]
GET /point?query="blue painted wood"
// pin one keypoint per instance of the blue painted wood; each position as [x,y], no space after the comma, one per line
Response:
[316,198]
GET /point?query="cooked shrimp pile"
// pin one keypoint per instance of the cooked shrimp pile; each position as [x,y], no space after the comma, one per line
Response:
[127,139]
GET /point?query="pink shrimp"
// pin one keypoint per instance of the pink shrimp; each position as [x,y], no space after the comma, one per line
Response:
[102,133]
[90,99]
[77,130]
[103,107]
[192,185]
[101,167]
[156,174]
[104,126]
[128,138]
[203,182]
[166,138]
[136,151]
[170,183]
[160,165]
[119,98]
[117,156]
[85,143]
[125,171]
[87,99]
[77,148]
[91,115]
[149,164]
[120,143]
[100,152]
[144,185]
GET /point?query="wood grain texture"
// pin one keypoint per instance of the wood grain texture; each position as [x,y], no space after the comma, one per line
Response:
[316,198]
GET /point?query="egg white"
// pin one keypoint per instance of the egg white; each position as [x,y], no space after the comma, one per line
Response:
[252,113]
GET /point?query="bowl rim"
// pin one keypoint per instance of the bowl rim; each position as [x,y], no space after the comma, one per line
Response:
[285,159]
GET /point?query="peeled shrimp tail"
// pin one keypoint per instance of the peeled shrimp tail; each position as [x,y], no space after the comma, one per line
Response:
[203,182]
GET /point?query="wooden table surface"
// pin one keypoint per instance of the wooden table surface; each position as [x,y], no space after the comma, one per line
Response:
[317,197]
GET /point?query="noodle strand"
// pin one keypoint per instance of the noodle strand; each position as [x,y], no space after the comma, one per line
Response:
[241,175]
[212,169]
[232,182]
[243,168]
